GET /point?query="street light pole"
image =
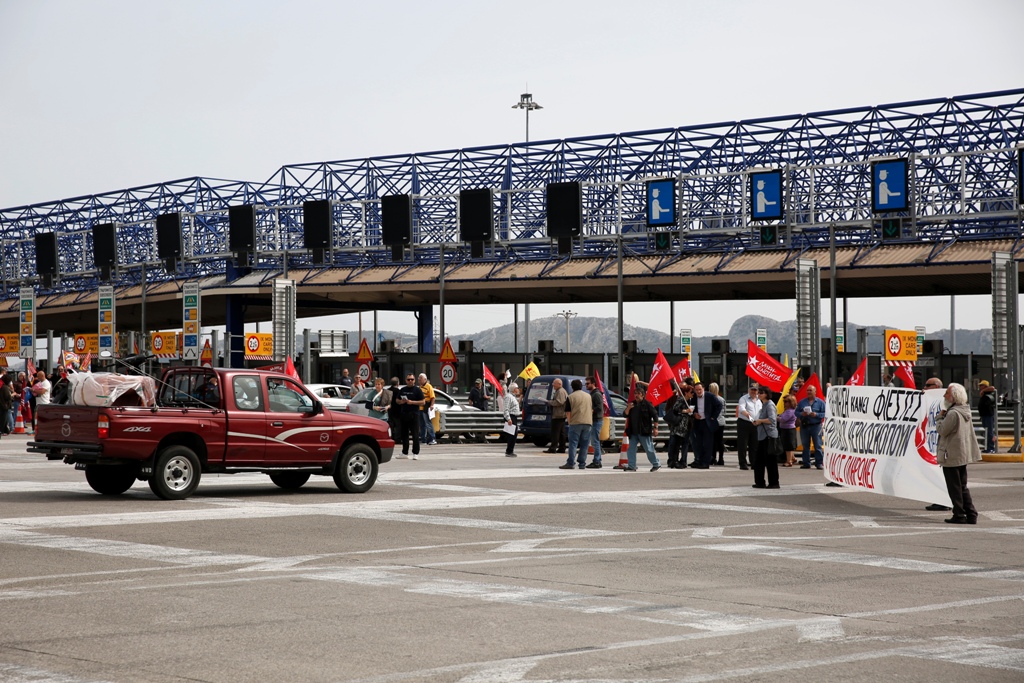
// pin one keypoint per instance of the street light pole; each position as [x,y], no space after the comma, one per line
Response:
[568,315]
[525,102]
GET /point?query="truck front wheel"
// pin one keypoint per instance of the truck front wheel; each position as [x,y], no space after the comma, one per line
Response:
[111,480]
[175,473]
[357,469]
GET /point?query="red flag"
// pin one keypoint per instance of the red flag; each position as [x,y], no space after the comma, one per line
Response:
[857,379]
[681,370]
[86,365]
[289,369]
[764,369]
[30,368]
[604,394]
[904,373]
[660,388]
[632,387]
[489,377]
[812,381]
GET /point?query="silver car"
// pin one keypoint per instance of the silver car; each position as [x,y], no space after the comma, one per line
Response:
[333,396]
[360,405]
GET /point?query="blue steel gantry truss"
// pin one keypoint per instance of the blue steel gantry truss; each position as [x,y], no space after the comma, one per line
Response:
[961,150]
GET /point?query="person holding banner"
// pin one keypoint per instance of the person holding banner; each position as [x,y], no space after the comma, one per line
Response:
[957,447]
[811,413]
[767,424]
[641,427]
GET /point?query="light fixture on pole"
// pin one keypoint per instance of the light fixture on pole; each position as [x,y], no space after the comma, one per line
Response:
[526,102]
[568,315]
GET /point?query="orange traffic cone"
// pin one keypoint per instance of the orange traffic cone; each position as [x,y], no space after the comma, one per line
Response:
[623,460]
[19,425]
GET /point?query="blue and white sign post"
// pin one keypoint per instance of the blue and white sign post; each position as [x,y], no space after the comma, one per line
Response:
[27,308]
[766,196]
[107,320]
[890,186]
[661,203]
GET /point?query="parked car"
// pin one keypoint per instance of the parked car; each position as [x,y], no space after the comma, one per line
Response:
[360,404]
[333,396]
[537,414]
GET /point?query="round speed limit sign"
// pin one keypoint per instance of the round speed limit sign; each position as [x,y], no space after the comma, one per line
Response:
[895,346]
[363,373]
[448,373]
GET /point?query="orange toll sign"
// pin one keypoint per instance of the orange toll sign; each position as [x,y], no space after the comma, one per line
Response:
[901,345]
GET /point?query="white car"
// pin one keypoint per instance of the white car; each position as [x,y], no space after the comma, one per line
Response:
[333,396]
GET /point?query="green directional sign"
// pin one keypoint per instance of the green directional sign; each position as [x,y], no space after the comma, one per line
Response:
[662,241]
[769,235]
[892,228]
[191,301]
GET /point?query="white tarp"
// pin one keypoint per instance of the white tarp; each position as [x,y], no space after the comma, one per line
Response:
[884,440]
[104,389]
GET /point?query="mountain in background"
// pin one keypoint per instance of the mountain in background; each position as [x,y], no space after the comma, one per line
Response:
[600,335]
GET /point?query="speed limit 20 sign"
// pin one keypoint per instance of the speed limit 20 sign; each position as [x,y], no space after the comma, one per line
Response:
[448,373]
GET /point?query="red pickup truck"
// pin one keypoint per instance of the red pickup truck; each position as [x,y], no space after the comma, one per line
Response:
[214,421]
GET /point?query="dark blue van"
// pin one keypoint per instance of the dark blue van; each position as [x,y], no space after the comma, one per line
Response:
[537,414]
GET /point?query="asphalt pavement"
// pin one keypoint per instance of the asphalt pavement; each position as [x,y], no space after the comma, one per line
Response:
[467,566]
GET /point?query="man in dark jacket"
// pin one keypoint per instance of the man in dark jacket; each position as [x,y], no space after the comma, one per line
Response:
[987,411]
[597,404]
[6,402]
[641,428]
[478,396]
[706,409]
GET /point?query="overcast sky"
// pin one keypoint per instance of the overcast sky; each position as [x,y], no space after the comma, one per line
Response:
[100,96]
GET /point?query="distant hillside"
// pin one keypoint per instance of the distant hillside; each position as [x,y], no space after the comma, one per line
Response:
[597,335]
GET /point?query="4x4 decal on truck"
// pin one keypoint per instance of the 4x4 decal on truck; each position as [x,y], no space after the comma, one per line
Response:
[138,429]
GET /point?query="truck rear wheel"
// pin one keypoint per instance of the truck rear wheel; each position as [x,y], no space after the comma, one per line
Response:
[111,480]
[289,480]
[175,474]
[357,469]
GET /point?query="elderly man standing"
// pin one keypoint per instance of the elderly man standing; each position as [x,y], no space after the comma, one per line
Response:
[747,410]
[427,432]
[811,413]
[581,420]
[957,447]
[558,400]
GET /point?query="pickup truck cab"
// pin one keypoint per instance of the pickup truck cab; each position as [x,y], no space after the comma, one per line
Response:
[214,421]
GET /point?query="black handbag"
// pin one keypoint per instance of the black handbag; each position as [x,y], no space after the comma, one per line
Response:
[775,446]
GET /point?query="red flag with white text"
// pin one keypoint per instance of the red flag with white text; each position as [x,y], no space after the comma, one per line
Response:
[659,389]
[764,369]
[905,374]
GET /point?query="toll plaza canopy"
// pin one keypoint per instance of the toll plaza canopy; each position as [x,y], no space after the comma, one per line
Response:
[916,197]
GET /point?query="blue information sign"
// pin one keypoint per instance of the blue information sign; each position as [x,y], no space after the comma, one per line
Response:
[661,202]
[766,196]
[889,186]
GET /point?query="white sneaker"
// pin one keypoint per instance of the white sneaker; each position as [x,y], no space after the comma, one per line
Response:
[415,456]
[401,455]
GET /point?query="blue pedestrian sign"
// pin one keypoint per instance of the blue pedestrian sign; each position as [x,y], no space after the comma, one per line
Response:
[766,196]
[889,186]
[661,203]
